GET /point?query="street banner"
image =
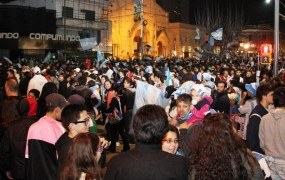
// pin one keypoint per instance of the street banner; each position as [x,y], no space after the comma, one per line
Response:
[88,43]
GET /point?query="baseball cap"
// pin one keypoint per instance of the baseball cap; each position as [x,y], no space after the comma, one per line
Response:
[76,99]
[37,70]
[56,100]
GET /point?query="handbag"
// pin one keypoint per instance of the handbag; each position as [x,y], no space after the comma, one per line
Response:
[116,116]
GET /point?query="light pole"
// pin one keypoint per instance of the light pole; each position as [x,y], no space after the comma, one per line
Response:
[276,35]
[141,32]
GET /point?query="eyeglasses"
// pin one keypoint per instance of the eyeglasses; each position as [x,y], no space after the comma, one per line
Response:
[175,141]
[86,121]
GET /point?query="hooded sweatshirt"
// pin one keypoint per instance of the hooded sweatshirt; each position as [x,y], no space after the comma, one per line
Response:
[272,133]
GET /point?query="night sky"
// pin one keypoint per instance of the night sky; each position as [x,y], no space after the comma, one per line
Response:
[256,11]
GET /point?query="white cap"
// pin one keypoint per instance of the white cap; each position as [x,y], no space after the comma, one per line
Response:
[37,70]
[77,70]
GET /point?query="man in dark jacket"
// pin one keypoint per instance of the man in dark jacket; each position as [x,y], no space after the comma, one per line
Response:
[222,101]
[264,96]
[147,160]
[13,144]
[8,107]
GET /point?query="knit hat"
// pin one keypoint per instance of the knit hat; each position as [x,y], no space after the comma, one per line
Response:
[252,88]
[56,100]
[200,88]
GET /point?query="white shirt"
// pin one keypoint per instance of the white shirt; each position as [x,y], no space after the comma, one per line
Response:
[37,82]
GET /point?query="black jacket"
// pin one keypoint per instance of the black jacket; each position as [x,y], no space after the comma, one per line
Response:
[147,162]
[62,146]
[252,138]
[222,103]
[13,145]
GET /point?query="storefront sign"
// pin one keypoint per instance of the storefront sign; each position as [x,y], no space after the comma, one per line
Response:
[41,36]
[9,35]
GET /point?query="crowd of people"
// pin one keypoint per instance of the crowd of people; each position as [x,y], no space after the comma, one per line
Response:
[222,120]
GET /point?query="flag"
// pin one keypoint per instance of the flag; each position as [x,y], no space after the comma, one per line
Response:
[218,34]
[88,43]
[149,69]
[7,59]
[168,77]
[159,58]
[47,58]
[109,73]
[100,56]
[197,37]
[185,88]
[211,41]
[143,97]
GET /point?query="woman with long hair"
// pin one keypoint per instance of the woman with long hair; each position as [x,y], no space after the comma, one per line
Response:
[82,159]
[219,153]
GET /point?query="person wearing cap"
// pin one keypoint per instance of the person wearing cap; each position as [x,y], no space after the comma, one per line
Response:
[201,103]
[12,147]
[248,106]
[38,81]
[90,101]
[264,96]
[40,148]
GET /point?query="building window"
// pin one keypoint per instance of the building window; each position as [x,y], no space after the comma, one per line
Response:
[250,37]
[67,12]
[89,15]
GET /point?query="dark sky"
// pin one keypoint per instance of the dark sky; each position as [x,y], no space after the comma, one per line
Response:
[256,11]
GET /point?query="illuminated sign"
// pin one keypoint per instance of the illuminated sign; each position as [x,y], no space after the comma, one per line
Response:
[41,36]
[266,48]
[9,35]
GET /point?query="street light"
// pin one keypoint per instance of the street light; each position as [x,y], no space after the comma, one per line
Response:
[276,34]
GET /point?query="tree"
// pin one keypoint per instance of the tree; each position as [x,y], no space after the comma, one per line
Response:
[213,14]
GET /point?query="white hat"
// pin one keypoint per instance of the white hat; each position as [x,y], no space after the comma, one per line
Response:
[37,70]
[95,72]
[88,72]
[200,88]
[77,70]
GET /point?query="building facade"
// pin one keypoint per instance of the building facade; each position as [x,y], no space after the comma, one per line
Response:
[159,35]
[34,27]
[252,37]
